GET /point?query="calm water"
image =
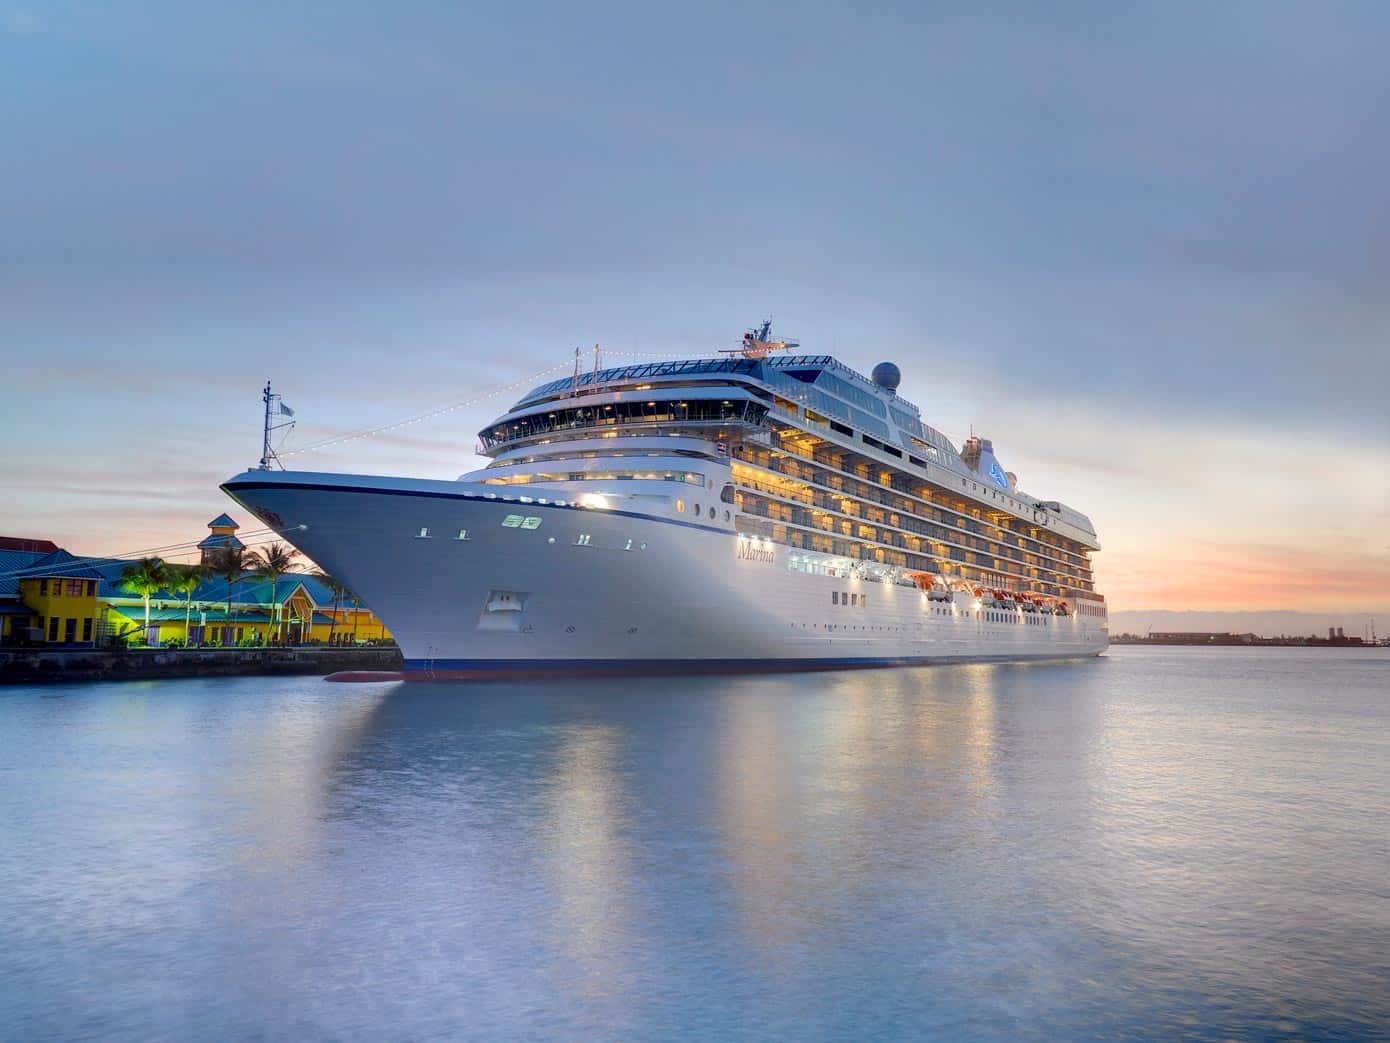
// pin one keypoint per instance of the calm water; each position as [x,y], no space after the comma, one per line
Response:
[1164,842]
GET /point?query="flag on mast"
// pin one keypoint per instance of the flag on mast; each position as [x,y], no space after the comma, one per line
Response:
[286,410]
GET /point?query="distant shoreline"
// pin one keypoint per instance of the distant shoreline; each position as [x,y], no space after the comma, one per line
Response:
[1243,641]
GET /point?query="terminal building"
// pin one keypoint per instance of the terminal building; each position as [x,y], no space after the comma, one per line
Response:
[50,597]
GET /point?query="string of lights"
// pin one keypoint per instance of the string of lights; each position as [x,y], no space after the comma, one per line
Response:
[256,537]
[454,407]
[421,418]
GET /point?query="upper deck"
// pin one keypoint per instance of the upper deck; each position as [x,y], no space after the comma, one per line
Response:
[815,393]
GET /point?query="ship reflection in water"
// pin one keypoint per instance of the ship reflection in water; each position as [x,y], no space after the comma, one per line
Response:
[1160,843]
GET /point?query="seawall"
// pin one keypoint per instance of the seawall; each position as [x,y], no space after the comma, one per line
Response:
[29,666]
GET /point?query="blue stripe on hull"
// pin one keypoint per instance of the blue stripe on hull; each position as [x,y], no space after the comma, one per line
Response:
[450,669]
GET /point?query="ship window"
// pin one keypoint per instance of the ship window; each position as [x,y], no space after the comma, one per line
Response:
[726,495]
[531,522]
[424,533]
[512,521]
[582,540]
[628,545]
[680,506]
[463,534]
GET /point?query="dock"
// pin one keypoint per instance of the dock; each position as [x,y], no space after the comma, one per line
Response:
[31,666]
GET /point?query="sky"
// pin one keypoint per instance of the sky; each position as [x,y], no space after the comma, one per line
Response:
[1144,247]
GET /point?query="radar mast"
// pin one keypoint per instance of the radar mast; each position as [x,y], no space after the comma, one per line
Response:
[758,343]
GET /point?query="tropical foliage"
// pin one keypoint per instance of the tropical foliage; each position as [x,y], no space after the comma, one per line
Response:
[229,563]
[338,591]
[270,563]
[145,578]
[185,579]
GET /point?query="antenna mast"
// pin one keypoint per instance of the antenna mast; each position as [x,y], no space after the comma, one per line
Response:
[758,343]
[274,407]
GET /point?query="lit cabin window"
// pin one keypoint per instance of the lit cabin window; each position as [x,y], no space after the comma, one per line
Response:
[531,522]
[463,534]
[424,533]
[582,540]
[680,506]
[512,521]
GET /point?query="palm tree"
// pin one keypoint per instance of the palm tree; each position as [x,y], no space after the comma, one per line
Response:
[337,590]
[185,580]
[272,562]
[229,563]
[145,577]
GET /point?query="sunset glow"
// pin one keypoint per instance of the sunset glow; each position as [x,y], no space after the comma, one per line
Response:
[1166,313]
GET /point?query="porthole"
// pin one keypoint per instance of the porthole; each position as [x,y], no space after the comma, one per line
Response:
[423,534]
[680,506]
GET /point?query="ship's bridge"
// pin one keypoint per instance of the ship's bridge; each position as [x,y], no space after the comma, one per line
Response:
[794,382]
[650,410]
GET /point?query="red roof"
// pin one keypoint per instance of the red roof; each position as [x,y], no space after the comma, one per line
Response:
[33,546]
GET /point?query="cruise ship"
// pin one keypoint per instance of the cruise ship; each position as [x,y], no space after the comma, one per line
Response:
[759,510]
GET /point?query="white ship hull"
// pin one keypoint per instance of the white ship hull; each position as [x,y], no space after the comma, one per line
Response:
[643,592]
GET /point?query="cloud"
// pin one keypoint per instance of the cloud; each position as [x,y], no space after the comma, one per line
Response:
[1145,250]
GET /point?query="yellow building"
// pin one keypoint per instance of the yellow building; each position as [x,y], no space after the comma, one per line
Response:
[46,596]
[50,597]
